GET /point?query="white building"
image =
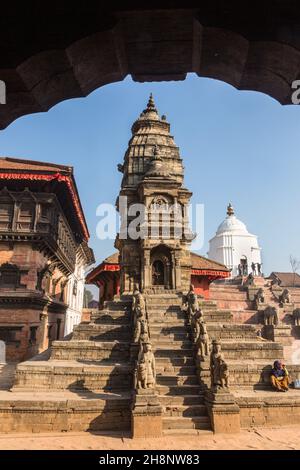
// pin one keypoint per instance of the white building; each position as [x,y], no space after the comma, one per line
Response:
[234,246]
[75,288]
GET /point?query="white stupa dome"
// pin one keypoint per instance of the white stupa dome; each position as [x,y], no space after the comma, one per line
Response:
[233,245]
[232,224]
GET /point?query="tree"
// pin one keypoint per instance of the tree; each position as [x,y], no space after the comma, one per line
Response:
[295,265]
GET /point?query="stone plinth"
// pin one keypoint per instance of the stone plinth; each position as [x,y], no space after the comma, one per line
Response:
[223,411]
[279,333]
[203,372]
[252,290]
[146,418]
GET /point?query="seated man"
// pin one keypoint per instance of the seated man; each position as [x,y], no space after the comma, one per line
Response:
[280,377]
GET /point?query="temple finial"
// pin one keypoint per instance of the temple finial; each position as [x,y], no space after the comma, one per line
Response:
[230,209]
[150,105]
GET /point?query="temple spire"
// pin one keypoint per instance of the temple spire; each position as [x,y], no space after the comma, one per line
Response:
[150,105]
[230,209]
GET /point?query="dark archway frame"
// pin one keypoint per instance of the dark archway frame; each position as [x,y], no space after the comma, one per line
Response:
[48,55]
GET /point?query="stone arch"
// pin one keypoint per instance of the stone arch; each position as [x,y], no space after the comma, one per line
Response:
[2,352]
[251,48]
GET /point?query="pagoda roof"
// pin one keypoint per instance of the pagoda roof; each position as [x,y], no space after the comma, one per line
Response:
[200,266]
[20,173]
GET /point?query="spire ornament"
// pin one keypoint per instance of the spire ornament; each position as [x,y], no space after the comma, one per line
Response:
[230,209]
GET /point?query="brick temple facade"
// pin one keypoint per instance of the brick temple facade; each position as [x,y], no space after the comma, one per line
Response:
[43,245]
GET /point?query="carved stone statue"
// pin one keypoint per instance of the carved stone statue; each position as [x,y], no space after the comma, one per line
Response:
[296,317]
[192,303]
[284,298]
[140,329]
[202,341]
[218,367]
[140,325]
[138,305]
[146,375]
[253,268]
[196,321]
[259,298]
[270,316]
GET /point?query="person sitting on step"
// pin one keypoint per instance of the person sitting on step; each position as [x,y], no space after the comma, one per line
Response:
[280,377]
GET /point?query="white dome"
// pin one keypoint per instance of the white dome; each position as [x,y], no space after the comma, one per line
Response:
[232,224]
[234,246]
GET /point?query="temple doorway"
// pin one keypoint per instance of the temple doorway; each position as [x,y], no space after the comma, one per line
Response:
[244,265]
[161,266]
[158,278]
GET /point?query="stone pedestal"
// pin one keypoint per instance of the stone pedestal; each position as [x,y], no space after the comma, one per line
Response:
[223,411]
[203,372]
[252,290]
[278,333]
[146,417]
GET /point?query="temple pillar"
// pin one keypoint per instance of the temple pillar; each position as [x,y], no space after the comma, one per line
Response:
[43,342]
[177,272]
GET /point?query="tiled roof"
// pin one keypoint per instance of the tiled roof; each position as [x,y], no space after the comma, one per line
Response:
[112,259]
[287,279]
[200,262]
[8,163]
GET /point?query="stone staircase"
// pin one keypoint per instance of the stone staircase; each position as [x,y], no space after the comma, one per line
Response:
[88,379]
[94,364]
[179,392]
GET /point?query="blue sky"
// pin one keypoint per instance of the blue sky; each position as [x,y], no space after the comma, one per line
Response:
[237,146]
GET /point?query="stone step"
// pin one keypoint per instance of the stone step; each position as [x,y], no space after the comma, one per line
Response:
[173,379]
[187,432]
[174,361]
[178,389]
[166,342]
[113,305]
[181,400]
[185,410]
[72,375]
[178,370]
[90,350]
[96,332]
[162,315]
[172,353]
[191,422]
[112,318]
[251,350]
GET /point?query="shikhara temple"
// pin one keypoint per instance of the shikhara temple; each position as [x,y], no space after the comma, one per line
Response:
[153,175]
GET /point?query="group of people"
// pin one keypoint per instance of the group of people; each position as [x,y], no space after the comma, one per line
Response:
[255,268]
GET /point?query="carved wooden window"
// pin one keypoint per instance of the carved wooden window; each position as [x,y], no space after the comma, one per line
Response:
[44,220]
[9,276]
[26,216]
[6,215]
